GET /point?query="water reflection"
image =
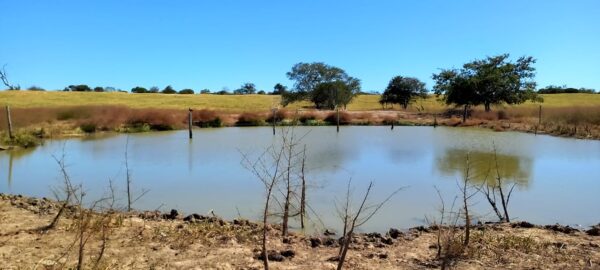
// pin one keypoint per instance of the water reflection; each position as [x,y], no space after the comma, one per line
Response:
[482,166]
[12,156]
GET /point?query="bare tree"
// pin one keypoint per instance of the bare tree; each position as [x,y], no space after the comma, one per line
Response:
[129,179]
[303,192]
[466,194]
[496,191]
[4,78]
[353,220]
[67,189]
[268,169]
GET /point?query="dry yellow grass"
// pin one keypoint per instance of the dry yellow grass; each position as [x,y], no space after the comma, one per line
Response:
[232,103]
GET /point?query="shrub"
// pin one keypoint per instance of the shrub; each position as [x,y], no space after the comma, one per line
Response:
[206,118]
[249,119]
[35,88]
[139,90]
[186,92]
[88,127]
[307,117]
[280,115]
[345,118]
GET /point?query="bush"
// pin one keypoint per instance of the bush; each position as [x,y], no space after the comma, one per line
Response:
[88,127]
[206,118]
[280,115]
[250,119]
[35,88]
[186,92]
[345,118]
[139,90]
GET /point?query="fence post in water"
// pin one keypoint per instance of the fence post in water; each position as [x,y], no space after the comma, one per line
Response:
[190,122]
[10,131]
[273,119]
[393,120]
[338,118]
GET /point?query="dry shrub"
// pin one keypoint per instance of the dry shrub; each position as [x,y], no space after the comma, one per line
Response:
[250,119]
[307,117]
[157,119]
[280,115]
[388,120]
[345,118]
[206,118]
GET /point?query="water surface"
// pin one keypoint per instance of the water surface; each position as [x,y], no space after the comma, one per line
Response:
[558,179]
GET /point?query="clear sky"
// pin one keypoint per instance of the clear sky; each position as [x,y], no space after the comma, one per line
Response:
[224,43]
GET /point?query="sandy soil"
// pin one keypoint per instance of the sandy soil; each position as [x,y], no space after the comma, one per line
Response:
[153,240]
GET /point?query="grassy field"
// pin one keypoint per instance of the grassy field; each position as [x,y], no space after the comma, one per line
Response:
[231,103]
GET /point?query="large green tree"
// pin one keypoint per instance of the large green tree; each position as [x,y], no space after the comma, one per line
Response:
[403,90]
[333,84]
[245,89]
[491,81]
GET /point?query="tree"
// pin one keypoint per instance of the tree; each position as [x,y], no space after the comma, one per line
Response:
[139,90]
[279,89]
[78,88]
[246,89]
[169,90]
[328,95]
[187,91]
[4,79]
[204,91]
[153,89]
[35,88]
[492,81]
[308,76]
[403,90]
[98,89]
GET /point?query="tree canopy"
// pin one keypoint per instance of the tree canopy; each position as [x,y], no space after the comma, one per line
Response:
[403,90]
[491,81]
[279,89]
[169,90]
[322,84]
[246,89]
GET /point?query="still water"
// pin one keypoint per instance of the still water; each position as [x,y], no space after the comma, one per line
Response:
[558,179]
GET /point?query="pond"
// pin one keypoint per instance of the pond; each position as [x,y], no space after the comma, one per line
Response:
[557,179]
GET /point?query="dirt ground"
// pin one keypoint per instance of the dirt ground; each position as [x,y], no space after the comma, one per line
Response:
[153,240]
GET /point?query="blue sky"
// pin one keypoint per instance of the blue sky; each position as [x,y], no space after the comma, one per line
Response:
[224,43]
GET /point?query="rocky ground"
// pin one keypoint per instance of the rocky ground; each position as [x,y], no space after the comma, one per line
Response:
[153,240]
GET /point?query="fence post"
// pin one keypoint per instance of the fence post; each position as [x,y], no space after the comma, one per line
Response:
[338,118]
[273,119]
[10,130]
[540,116]
[190,122]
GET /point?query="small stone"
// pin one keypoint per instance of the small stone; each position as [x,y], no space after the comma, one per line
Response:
[383,256]
[288,253]
[315,242]
[394,233]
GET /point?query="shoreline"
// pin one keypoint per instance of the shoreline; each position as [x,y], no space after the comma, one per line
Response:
[33,135]
[173,241]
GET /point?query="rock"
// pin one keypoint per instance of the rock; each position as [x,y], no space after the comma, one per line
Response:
[382,256]
[272,255]
[288,253]
[420,229]
[595,231]
[172,215]
[560,228]
[333,259]
[394,233]
[328,232]
[315,242]
[388,241]
[330,242]
[523,224]
[433,246]
[241,222]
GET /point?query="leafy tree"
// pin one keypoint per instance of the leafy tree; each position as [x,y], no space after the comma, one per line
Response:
[551,89]
[261,92]
[35,88]
[169,90]
[154,89]
[187,91]
[279,89]
[98,89]
[309,76]
[110,89]
[204,91]
[494,80]
[245,89]
[139,90]
[222,92]
[78,88]
[403,90]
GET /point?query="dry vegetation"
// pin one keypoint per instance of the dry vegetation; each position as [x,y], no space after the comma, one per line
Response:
[38,115]
[152,240]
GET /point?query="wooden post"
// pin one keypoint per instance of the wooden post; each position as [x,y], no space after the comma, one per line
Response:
[435,123]
[338,118]
[273,119]
[10,130]
[540,116]
[190,122]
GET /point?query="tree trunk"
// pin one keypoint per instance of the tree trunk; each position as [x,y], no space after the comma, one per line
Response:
[465,111]
[487,107]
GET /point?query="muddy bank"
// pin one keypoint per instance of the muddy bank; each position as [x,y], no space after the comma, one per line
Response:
[173,240]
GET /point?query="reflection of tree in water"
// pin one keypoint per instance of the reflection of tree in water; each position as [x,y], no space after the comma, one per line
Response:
[512,168]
